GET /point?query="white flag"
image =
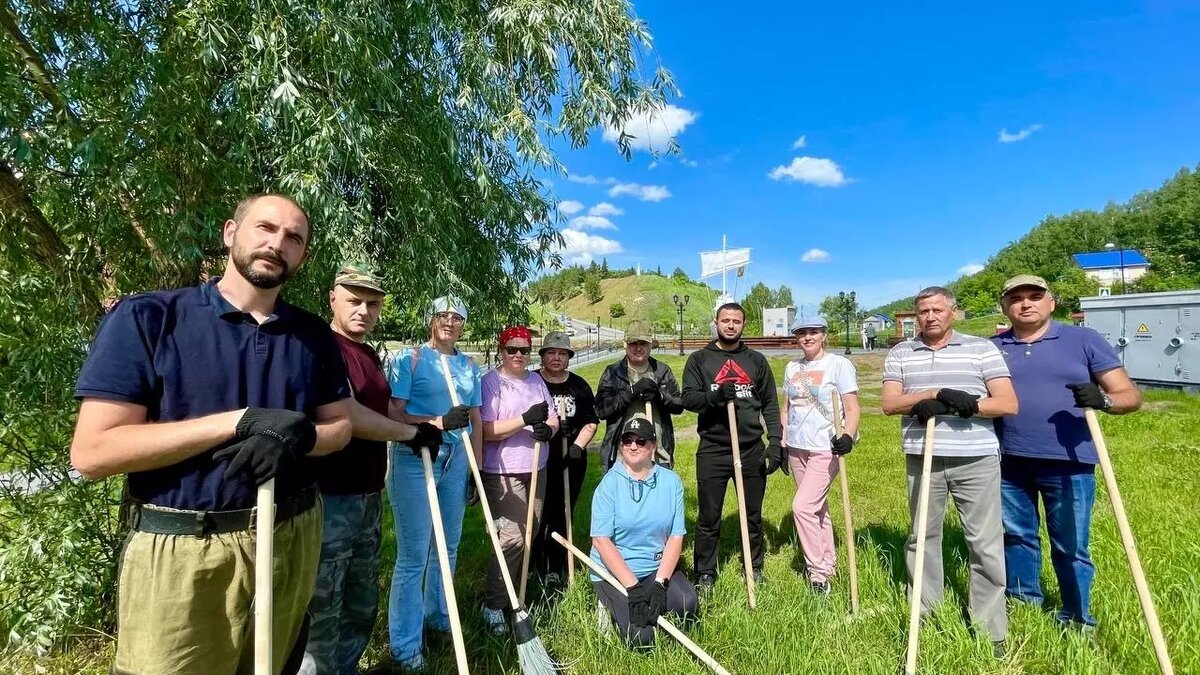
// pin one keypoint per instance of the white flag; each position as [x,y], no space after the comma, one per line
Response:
[716,262]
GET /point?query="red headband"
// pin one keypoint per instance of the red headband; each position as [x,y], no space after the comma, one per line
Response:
[515,332]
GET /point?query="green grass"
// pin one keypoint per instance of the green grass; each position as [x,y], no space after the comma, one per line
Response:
[1155,455]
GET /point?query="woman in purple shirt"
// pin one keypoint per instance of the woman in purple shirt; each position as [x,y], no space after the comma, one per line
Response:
[517,412]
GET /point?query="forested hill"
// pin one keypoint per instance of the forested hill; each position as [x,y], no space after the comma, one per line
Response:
[1164,224]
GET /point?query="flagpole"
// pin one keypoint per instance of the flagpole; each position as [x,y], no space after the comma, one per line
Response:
[724,266]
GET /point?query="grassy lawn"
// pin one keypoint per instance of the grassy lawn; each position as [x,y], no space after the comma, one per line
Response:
[1155,455]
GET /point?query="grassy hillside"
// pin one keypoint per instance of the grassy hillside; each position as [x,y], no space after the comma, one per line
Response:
[647,297]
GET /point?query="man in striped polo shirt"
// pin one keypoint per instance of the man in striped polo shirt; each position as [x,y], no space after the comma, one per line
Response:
[961,381]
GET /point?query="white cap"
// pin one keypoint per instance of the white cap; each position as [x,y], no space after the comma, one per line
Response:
[446,303]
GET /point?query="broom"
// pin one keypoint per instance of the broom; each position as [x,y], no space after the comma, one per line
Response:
[531,653]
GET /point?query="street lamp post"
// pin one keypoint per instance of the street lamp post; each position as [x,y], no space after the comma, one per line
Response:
[848,303]
[1120,261]
[680,306]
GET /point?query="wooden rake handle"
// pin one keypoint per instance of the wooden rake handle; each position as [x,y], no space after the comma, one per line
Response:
[740,489]
[439,538]
[662,621]
[529,509]
[851,553]
[264,590]
[483,500]
[1127,541]
[914,612]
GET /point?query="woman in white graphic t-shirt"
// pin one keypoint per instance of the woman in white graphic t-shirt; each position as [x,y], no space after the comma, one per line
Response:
[810,383]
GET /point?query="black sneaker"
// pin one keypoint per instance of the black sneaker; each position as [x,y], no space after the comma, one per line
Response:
[758,575]
[705,583]
[821,588]
[998,649]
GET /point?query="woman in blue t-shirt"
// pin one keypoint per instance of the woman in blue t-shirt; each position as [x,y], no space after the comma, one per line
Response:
[637,534]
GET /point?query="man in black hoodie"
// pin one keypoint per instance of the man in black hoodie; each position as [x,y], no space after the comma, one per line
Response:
[727,370]
[628,386]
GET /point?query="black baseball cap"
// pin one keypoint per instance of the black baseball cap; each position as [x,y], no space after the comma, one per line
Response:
[639,426]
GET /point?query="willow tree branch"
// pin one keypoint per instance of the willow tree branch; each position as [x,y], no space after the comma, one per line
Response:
[35,64]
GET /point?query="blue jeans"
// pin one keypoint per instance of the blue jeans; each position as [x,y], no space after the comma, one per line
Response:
[417,596]
[347,591]
[1068,492]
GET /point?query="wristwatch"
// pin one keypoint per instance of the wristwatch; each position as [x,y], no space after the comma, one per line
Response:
[665,583]
[1107,402]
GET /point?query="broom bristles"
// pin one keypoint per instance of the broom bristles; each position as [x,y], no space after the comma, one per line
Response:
[531,653]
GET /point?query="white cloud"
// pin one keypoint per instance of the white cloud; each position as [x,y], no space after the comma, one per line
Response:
[652,129]
[605,209]
[653,165]
[586,180]
[815,255]
[592,223]
[690,163]
[800,142]
[646,193]
[969,269]
[569,207]
[1006,137]
[581,247]
[813,170]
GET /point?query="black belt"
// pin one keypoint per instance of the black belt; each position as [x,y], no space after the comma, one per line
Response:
[157,520]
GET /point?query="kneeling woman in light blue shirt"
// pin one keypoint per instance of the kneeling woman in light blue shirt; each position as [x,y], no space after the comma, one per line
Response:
[637,533]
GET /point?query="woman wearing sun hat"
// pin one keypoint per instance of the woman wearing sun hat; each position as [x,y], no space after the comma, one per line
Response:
[813,447]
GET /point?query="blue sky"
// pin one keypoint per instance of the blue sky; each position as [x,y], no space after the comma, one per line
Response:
[904,114]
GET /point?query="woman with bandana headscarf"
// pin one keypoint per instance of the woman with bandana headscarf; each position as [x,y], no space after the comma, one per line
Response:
[637,534]
[517,411]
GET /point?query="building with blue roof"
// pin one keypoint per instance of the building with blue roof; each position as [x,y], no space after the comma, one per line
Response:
[1106,267]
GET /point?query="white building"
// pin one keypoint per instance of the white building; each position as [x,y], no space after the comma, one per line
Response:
[777,321]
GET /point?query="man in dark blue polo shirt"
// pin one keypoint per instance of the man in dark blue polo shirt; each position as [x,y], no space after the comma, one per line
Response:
[1046,448]
[200,395]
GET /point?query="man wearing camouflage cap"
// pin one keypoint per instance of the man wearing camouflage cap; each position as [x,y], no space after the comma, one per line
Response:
[629,386]
[1046,449]
[346,597]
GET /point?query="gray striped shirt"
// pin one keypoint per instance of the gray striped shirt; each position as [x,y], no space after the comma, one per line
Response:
[966,363]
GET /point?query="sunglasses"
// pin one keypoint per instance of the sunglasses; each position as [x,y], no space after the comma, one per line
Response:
[630,440]
[513,351]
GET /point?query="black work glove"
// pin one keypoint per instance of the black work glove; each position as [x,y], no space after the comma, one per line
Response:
[1088,395]
[966,405]
[458,417]
[929,408]
[657,603]
[639,604]
[271,439]
[259,457]
[538,412]
[776,458]
[645,389]
[576,452]
[294,428]
[725,392]
[427,436]
[842,445]
[542,431]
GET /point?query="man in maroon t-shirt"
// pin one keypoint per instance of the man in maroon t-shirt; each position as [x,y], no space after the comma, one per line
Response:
[351,481]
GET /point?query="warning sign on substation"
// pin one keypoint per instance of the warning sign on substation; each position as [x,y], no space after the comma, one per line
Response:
[1143,332]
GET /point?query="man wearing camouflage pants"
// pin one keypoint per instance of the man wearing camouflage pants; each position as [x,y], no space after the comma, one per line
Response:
[347,593]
